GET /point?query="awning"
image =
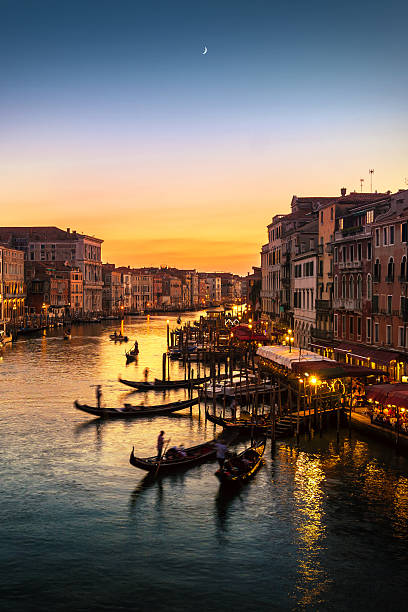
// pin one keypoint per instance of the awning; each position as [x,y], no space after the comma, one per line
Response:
[242,332]
[281,355]
[334,369]
[395,395]
[361,351]
[323,344]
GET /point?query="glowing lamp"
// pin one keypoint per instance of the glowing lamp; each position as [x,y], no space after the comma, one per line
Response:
[313,380]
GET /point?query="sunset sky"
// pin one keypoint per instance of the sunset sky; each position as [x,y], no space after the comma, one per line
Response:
[115,124]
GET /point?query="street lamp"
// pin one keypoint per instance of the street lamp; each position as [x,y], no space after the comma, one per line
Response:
[168,333]
[289,339]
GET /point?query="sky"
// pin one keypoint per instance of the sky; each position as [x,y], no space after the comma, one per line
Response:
[115,124]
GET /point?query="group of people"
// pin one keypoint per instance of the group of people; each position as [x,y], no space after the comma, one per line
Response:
[236,464]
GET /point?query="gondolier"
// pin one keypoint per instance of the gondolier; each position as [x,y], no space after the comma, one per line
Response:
[98,395]
[160,443]
[221,449]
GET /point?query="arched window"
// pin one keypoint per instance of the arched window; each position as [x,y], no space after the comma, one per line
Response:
[351,287]
[360,286]
[343,283]
[336,287]
[369,287]
[390,270]
[377,271]
[403,268]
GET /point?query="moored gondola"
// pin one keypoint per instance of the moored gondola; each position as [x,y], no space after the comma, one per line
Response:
[129,412]
[258,422]
[237,470]
[118,338]
[192,456]
[159,385]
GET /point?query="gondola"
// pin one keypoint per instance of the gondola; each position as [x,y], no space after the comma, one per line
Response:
[118,338]
[129,412]
[241,468]
[260,423]
[67,336]
[159,385]
[194,456]
[133,353]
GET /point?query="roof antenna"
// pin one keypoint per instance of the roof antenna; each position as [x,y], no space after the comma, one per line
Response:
[371,179]
[361,185]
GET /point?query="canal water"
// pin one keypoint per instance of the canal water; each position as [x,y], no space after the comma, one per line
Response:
[321,527]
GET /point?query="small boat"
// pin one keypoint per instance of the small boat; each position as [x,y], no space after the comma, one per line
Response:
[118,338]
[242,467]
[193,456]
[67,335]
[259,422]
[133,353]
[129,411]
[159,385]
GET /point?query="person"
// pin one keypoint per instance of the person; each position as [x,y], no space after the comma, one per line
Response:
[181,451]
[234,408]
[221,449]
[146,374]
[160,443]
[115,334]
[98,395]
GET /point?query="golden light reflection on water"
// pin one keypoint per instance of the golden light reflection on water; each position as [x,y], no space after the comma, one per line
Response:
[310,527]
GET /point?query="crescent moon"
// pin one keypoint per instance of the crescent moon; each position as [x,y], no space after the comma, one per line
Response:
[205,50]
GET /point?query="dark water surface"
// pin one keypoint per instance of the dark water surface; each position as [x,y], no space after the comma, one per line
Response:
[322,527]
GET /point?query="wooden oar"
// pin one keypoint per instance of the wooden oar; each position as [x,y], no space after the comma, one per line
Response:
[161,458]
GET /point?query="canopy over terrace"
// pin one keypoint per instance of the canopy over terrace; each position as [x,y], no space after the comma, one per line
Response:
[281,355]
[303,362]
[245,334]
[396,395]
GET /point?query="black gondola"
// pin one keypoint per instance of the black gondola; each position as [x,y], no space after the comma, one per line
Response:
[241,468]
[259,422]
[133,353]
[159,385]
[194,456]
[129,412]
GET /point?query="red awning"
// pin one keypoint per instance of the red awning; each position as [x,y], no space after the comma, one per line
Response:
[243,333]
[333,369]
[361,351]
[396,395]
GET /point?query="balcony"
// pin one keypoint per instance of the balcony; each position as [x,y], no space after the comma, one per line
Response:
[322,334]
[351,304]
[323,305]
[349,265]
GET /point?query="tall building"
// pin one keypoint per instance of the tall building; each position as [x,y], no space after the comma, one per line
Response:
[12,286]
[50,244]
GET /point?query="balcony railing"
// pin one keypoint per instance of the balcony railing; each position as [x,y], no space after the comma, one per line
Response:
[347,303]
[322,334]
[323,305]
[349,265]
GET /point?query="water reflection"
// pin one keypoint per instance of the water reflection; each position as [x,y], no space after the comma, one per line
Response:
[309,524]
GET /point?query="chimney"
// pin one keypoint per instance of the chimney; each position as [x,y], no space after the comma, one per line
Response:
[343,191]
[68,230]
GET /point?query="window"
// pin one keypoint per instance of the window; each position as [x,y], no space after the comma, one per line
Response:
[377,237]
[388,334]
[359,327]
[359,251]
[376,332]
[370,216]
[377,271]
[369,250]
[351,326]
[331,213]
[321,218]
[375,304]
[390,270]
[335,254]
[403,268]
[335,325]
[369,287]
[368,329]
[343,282]
[404,232]
[343,325]
[392,234]
[340,224]
[351,287]
[336,287]
[359,286]
[400,336]
[389,304]
[385,236]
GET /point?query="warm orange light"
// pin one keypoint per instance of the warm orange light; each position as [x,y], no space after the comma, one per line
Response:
[313,380]
[289,331]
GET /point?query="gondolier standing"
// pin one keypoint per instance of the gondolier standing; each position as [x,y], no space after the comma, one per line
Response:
[160,442]
[98,395]
[221,449]
[146,374]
